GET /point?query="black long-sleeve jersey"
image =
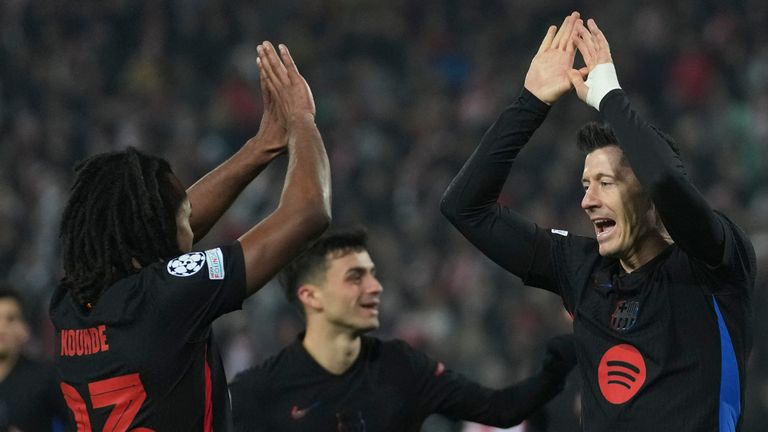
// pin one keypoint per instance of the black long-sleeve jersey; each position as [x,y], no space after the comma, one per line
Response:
[144,358]
[662,348]
[390,388]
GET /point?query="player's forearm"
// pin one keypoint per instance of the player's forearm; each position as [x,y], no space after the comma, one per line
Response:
[471,200]
[215,192]
[307,187]
[478,185]
[303,213]
[528,396]
[511,406]
[686,215]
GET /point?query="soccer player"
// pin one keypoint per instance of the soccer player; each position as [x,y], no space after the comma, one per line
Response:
[133,317]
[334,378]
[661,297]
[30,399]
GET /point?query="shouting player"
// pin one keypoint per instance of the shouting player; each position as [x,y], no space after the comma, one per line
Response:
[661,296]
[133,312]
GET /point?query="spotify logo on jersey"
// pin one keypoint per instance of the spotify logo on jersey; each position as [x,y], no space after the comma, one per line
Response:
[621,373]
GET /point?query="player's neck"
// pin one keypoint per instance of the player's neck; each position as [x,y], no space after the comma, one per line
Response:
[335,351]
[647,249]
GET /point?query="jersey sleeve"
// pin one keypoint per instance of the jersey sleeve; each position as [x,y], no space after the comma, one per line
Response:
[247,392]
[195,288]
[563,260]
[701,232]
[441,390]
[471,201]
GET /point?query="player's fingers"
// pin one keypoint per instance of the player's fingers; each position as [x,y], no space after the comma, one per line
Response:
[266,95]
[266,74]
[584,49]
[585,42]
[277,67]
[262,83]
[571,44]
[547,41]
[567,30]
[559,34]
[264,65]
[592,25]
[577,80]
[290,65]
[598,35]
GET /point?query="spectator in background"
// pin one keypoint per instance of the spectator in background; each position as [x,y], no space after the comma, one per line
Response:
[30,399]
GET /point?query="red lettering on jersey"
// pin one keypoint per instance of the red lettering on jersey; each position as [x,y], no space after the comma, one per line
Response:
[79,342]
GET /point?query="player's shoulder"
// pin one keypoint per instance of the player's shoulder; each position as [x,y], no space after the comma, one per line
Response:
[392,349]
[565,239]
[740,238]
[194,265]
[261,375]
[201,269]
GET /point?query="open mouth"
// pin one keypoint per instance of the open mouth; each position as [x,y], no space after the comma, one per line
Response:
[604,226]
[372,306]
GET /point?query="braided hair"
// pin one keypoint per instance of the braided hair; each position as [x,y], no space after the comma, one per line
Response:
[121,212]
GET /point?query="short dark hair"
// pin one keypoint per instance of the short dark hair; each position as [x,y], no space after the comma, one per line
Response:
[7,291]
[595,135]
[122,207]
[313,263]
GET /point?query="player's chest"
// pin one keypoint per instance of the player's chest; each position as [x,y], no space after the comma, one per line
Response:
[632,332]
[637,306]
[366,403]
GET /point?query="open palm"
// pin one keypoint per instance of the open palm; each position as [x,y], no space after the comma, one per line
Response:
[547,77]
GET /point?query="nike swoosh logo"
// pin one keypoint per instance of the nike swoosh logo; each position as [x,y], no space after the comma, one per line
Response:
[297,413]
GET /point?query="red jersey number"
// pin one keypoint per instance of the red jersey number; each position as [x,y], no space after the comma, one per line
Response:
[125,392]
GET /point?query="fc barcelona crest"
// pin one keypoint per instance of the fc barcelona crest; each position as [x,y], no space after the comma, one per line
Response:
[624,317]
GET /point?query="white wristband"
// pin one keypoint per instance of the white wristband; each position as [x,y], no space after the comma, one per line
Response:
[602,79]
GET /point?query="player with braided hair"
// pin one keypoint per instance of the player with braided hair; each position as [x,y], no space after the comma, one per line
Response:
[132,197]
[133,312]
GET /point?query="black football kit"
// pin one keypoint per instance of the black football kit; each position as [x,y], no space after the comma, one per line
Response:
[663,348]
[30,399]
[389,388]
[144,358]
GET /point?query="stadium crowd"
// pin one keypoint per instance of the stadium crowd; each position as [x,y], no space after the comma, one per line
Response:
[404,91]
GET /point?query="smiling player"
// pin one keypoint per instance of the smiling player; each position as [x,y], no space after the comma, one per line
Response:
[334,378]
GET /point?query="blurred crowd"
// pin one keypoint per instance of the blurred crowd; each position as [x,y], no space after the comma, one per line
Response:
[404,91]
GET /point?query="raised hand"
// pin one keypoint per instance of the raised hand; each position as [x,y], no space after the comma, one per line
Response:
[592,44]
[594,49]
[547,77]
[272,136]
[289,89]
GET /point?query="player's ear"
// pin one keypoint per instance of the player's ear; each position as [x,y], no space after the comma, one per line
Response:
[310,295]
